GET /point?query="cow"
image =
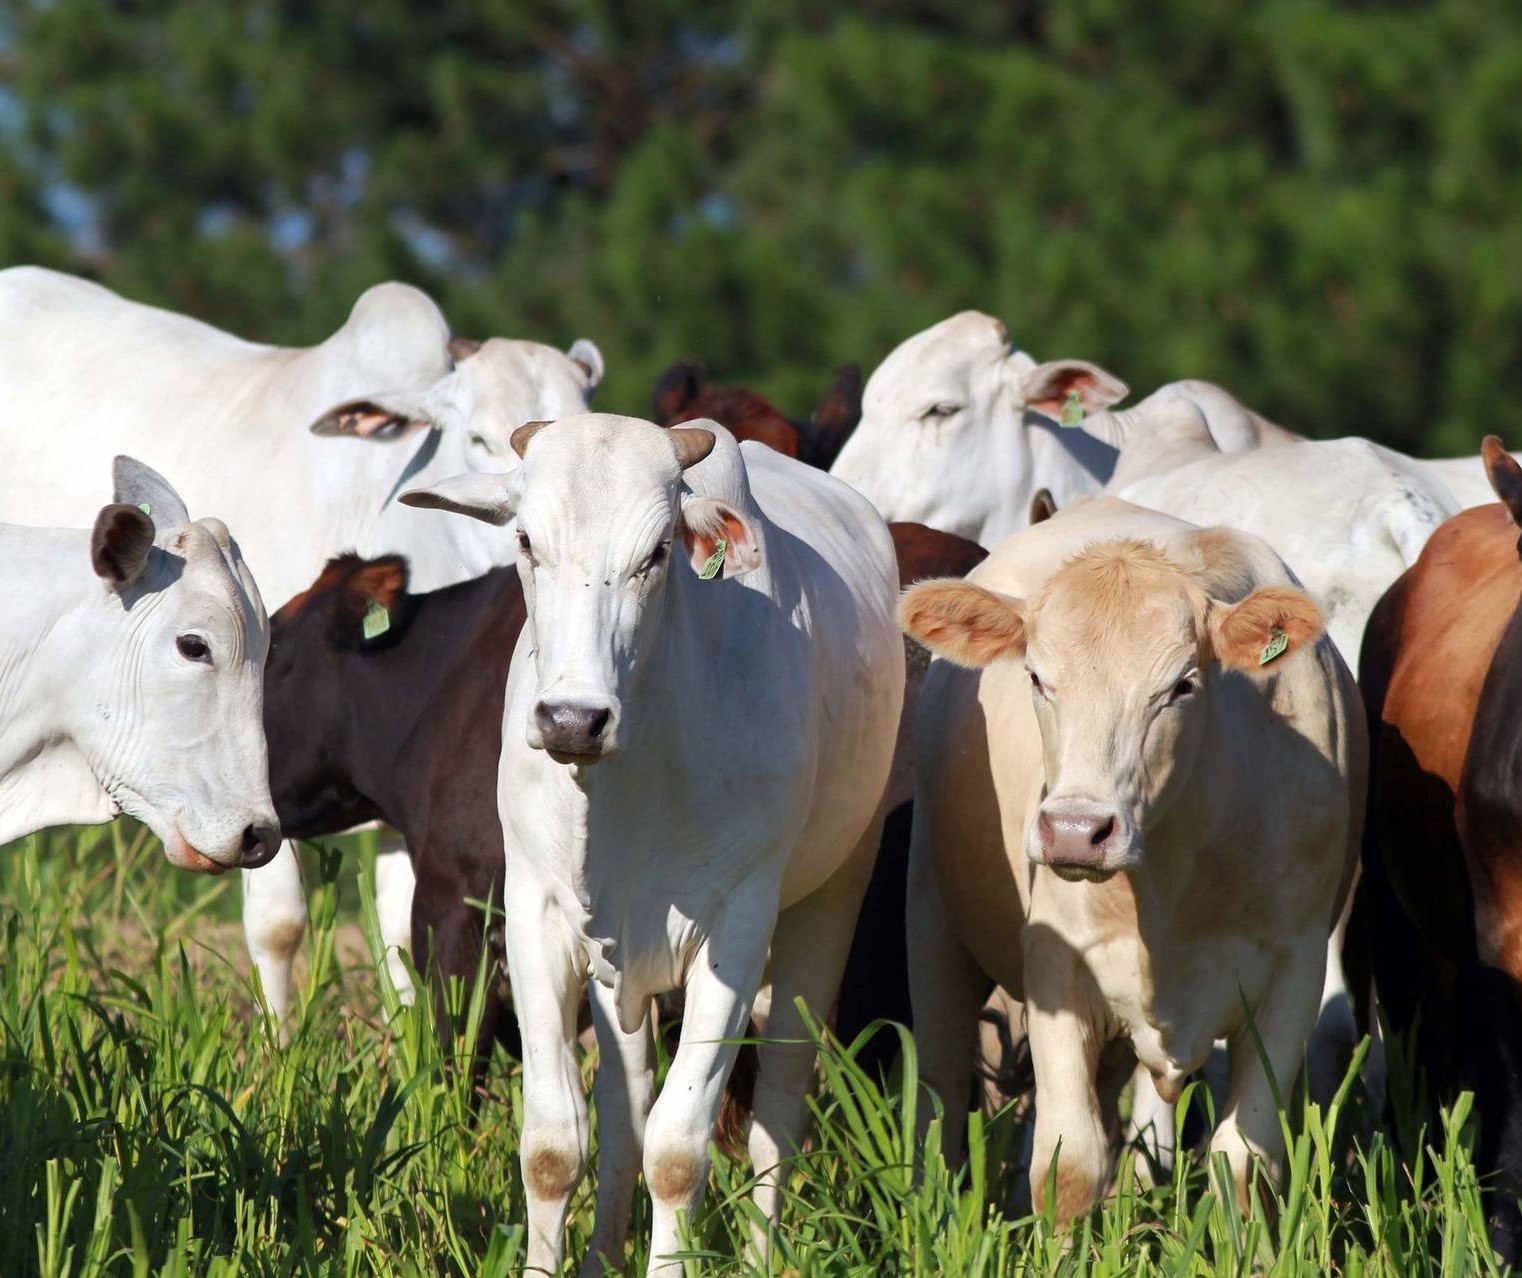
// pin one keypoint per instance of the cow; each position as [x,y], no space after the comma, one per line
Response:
[90,373]
[1442,681]
[373,707]
[131,658]
[699,722]
[684,394]
[960,430]
[1140,786]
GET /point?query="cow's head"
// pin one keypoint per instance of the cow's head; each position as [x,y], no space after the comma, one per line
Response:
[936,443]
[1121,647]
[608,535]
[457,395]
[168,706]
[355,609]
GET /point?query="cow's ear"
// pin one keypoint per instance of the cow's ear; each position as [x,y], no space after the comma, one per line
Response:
[679,385]
[835,419]
[707,521]
[1043,506]
[120,544]
[490,498]
[135,484]
[584,353]
[964,623]
[1047,387]
[381,419]
[1505,476]
[1271,625]
[374,606]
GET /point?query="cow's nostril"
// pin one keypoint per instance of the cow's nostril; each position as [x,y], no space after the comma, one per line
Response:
[258,845]
[1103,832]
[596,722]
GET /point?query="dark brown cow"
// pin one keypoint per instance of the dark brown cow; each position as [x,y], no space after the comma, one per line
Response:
[684,394]
[1442,861]
[404,727]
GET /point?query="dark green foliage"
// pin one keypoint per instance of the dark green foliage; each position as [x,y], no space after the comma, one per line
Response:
[1315,204]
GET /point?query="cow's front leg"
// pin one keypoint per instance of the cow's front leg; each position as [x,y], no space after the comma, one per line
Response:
[274,921]
[547,993]
[1283,1019]
[1065,1046]
[721,985]
[624,1089]
[395,883]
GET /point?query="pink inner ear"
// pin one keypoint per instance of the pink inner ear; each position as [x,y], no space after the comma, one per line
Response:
[1052,405]
[369,421]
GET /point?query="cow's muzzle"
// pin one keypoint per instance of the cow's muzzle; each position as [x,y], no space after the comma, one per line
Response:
[574,731]
[1082,840]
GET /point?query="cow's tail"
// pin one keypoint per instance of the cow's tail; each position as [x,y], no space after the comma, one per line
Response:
[732,1131]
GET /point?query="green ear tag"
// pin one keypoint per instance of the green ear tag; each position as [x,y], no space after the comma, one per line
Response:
[1072,410]
[145,508]
[377,620]
[1278,641]
[714,562]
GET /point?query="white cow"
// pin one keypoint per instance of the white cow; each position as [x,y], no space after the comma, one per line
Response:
[959,430]
[1141,817]
[132,679]
[699,722]
[89,374]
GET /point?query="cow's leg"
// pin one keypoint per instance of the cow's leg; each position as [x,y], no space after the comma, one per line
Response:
[1283,1019]
[547,993]
[1060,1012]
[721,983]
[1152,1123]
[947,990]
[809,949]
[274,921]
[624,1089]
[394,885]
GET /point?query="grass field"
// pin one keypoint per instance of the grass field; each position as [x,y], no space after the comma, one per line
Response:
[151,1123]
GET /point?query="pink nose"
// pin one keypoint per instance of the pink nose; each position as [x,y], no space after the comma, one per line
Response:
[1082,835]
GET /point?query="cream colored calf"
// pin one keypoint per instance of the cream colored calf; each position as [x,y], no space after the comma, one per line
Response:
[1140,816]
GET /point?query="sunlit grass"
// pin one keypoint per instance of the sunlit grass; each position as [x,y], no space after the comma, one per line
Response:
[151,1123]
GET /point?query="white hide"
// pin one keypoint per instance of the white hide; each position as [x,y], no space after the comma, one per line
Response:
[143,694]
[959,430]
[1346,515]
[89,374]
[753,717]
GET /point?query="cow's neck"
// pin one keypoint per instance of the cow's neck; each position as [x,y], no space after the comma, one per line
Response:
[45,778]
[1067,462]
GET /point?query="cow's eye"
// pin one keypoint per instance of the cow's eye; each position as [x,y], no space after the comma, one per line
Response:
[1036,684]
[941,410]
[654,559]
[525,546]
[1183,688]
[193,648]
[478,440]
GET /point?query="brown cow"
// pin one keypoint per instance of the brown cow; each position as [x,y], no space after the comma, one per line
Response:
[1442,859]
[684,394]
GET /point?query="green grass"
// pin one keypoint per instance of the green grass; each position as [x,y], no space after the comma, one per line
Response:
[151,1123]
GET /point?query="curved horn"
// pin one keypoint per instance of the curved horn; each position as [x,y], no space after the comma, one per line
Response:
[520,437]
[692,444]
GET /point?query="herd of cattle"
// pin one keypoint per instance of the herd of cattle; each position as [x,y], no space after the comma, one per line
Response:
[652,697]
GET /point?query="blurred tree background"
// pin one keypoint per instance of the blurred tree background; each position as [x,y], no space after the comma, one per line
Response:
[1318,205]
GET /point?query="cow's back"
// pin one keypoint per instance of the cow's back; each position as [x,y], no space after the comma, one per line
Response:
[90,374]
